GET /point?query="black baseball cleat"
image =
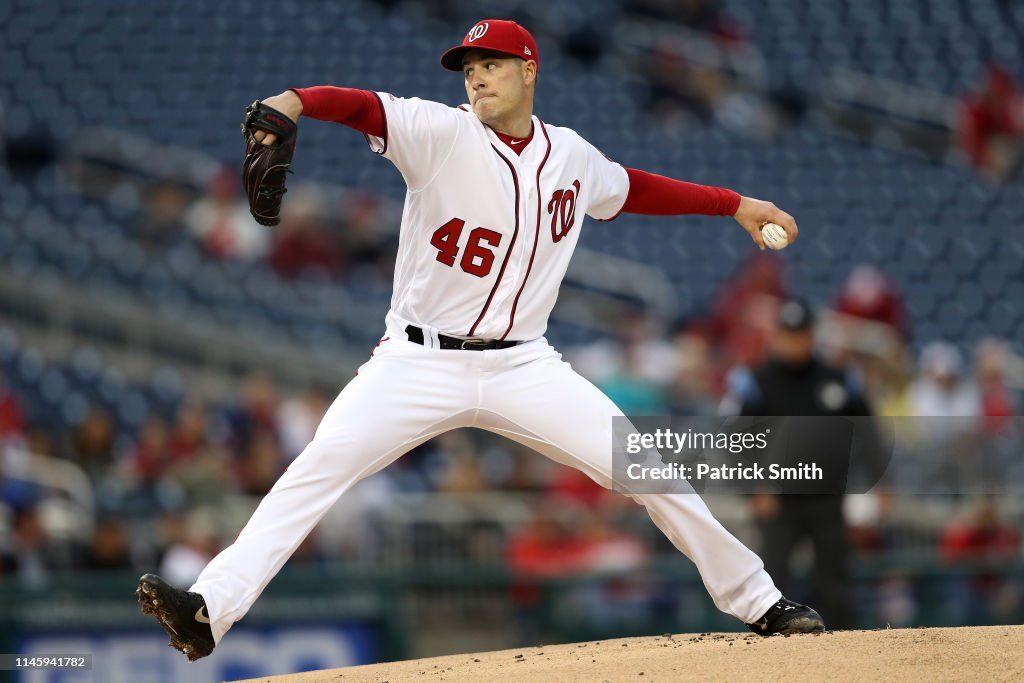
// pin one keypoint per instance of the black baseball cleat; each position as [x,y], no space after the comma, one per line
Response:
[182,614]
[787,617]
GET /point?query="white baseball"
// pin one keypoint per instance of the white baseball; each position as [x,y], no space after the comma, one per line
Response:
[774,236]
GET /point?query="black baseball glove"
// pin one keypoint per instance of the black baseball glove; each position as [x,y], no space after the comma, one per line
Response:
[265,167]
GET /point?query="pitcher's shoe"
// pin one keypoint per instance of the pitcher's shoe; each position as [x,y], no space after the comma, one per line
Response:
[182,614]
[788,617]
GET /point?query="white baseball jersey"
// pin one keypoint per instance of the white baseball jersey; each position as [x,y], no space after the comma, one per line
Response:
[487,233]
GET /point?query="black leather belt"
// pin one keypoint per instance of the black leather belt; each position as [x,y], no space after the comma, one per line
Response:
[456,344]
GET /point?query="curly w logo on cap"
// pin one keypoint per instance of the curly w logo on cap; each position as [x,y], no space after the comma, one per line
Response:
[477,32]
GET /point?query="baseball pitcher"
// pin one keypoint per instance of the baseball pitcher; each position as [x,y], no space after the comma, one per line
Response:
[495,205]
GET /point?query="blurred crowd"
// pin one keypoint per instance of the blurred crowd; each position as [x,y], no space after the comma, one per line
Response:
[173,492]
[682,91]
[682,370]
[316,238]
[169,494]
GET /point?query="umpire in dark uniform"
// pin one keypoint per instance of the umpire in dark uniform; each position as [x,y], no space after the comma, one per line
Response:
[795,382]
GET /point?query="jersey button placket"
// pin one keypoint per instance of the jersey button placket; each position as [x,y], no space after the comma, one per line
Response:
[517,261]
[501,306]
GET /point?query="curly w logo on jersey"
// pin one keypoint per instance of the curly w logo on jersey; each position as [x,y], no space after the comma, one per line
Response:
[562,208]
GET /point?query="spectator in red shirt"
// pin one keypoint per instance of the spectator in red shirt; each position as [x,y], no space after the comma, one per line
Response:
[982,541]
[544,547]
[743,314]
[301,245]
[571,485]
[991,125]
[869,295]
[12,417]
[981,537]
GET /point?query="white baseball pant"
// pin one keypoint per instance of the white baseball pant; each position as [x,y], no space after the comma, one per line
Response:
[408,393]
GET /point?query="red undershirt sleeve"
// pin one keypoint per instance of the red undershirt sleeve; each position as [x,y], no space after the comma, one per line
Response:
[358,109]
[656,195]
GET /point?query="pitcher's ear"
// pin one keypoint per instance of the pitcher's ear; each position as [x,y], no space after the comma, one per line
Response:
[529,71]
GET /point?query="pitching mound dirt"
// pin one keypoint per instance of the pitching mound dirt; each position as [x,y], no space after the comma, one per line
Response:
[994,653]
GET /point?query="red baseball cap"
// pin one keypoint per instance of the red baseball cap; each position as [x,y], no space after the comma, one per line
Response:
[497,35]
